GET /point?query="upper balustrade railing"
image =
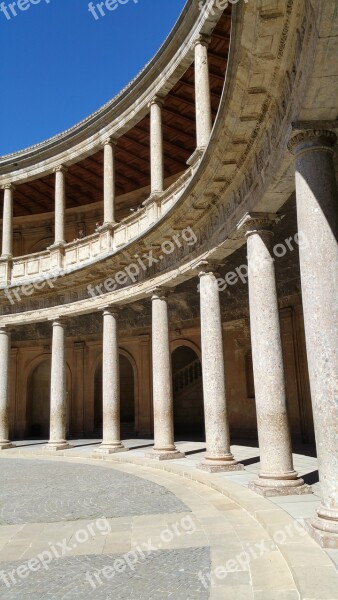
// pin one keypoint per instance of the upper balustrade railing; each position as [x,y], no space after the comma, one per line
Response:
[146,94]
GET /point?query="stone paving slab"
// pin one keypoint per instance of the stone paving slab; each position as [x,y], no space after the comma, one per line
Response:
[167,574]
[48,491]
[231,519]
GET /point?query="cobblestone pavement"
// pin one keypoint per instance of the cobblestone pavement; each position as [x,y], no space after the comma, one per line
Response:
[202,536]
[39,491]
[171,574]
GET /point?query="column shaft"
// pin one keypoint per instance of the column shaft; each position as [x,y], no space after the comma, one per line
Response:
[5,345]
[58,398]
[156,146]
[111,385]
[164,447]
[202,93]
[109,183]
[7,223]
[218,456]
[317,214]
[277,475]
[60,204]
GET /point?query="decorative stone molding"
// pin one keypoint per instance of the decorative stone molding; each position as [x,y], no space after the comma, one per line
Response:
[258,222]
[310,140]
[60,169]
[203,40]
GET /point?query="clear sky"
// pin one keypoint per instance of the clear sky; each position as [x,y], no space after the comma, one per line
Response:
[59,62]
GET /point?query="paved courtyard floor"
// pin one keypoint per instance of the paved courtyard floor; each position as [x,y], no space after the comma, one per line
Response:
[122,527]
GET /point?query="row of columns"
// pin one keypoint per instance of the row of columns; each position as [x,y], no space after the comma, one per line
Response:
[203,131]
[317,211]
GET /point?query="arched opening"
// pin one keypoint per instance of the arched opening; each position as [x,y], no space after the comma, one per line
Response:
[127,394]
[188,392]
[38,400]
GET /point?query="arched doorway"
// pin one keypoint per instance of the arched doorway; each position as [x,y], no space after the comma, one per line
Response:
[187,392]
[38,400]
[127,394]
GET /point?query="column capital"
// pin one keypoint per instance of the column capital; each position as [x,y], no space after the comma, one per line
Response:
[202,40]
[258,223]
[161,292]
[157,100]
[58,321]
[208,267]
[310,140]
[60,169]
[109,141]
[4,329]
[112,310]
[8,186]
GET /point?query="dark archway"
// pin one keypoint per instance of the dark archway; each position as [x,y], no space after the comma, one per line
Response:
[188,392]
[38,400]
[127,392]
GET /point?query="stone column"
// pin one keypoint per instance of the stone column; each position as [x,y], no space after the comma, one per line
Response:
[156,146]
[277,475]
[218,456]
[202,93]
[60,205]
[164,448]
[58,399]
[317,214]
[5,345]
[109,183]
[7,222]
[111,385]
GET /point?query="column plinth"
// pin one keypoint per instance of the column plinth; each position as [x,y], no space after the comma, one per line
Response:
[5,344]
[218,455]
[111,441]
[317,216]
[58,400]
[277,475]
[164,448]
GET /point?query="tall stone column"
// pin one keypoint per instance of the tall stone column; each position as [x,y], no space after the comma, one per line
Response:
[164,448]
[202,93]
[156,146]
[60,205]
[5,345]
[277,475]
[111,384]
[7,222]
[109,183]
[58,398]
[218,456]
[317,214]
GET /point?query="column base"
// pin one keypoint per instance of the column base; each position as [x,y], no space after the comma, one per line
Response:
[194,158]
[165,454]
[324,527]
[280,487]
[6,445]
[215,465]
[111,449]
[56,446]
[325,539]
[107,227]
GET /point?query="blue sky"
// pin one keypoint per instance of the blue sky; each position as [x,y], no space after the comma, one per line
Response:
[58,63]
